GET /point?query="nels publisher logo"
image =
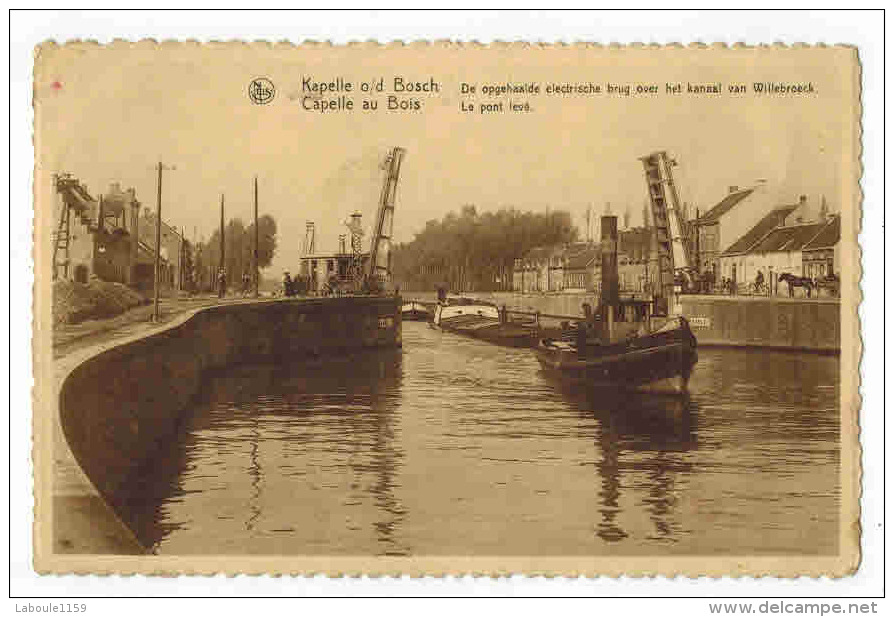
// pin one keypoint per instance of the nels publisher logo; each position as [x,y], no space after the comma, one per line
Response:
[261,91]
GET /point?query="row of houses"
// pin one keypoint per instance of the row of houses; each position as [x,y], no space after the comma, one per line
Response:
[803,249]
[747,232]
[749,235]
[576,267]
[111,238]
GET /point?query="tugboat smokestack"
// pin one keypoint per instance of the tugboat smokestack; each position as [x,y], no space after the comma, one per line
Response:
[609,289]
[609,246]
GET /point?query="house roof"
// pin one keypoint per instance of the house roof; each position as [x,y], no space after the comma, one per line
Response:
[725,205]
[635,242]
[146,253]
[540,252]
[146,229]
[582,259]
[758,232]
[828,237]
[792,238]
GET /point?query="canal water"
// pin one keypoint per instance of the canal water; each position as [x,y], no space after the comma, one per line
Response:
[452,446]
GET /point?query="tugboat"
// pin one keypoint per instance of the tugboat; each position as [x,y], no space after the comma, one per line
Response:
[626,345]
[645,353]
[482,320]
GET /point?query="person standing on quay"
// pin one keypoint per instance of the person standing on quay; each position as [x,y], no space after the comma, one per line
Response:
[221,283]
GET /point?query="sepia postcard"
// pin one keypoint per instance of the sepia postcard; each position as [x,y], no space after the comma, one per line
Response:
[439,308]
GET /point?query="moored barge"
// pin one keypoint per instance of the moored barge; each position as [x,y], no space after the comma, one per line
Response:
[482,320]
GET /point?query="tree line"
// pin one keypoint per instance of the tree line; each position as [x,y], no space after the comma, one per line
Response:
[472,251]
[239,241]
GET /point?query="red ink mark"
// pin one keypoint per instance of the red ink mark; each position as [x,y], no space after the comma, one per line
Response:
[57,85]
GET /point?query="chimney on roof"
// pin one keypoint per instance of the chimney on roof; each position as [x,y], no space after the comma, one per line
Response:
[801,211]
[733,189]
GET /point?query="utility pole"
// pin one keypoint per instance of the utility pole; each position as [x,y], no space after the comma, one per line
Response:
[222,280]
[157,278]
[182,257]
[157,246]
[255,270]
[197,276]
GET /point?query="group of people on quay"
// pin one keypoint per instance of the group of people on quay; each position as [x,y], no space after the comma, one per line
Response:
[761,286]
[294,286]
[245,289]
[334,286]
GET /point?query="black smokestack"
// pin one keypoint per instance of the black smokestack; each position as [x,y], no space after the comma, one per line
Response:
[609,244]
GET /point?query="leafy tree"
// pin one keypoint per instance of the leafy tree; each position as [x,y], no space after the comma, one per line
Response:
[472,251]
[238,245]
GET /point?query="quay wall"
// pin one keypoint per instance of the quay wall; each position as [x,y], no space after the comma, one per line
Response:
[118,407]
[737,321]
[810,325]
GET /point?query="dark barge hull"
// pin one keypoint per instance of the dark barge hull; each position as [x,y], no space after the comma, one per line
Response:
[661,361]
[415,315]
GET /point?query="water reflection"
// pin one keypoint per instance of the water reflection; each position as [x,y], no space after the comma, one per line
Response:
[610,473]
[319,424]
[457,447]
[254,472]
[655,426]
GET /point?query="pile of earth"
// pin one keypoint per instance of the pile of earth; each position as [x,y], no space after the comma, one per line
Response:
[77,302]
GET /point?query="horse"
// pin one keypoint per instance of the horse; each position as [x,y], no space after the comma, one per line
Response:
[797,281]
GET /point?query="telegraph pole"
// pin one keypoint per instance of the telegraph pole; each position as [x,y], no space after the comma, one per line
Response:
[180,262]
[157,246]
[182,259]
[222,280]
[255,271]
